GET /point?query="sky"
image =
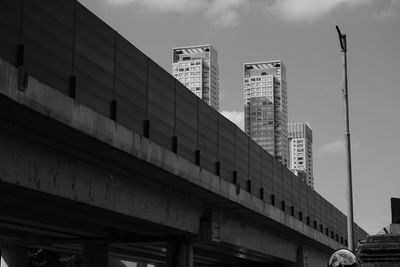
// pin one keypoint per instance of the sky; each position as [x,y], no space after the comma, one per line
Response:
[302,34]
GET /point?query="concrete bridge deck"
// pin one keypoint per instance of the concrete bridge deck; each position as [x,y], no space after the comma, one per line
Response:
[103,153]
[70,176]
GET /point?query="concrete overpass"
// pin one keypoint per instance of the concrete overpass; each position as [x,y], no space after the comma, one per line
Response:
[116,158]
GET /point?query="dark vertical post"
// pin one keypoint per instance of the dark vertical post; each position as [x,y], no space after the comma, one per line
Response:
[350,234]
[72,78]
[95,255]
[146,123]
[179,253]
[175,137]
[113,102]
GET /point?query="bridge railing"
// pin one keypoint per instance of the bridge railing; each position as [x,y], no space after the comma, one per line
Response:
[66,46]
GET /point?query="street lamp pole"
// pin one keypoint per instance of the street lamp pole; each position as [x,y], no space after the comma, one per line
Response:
[350,234]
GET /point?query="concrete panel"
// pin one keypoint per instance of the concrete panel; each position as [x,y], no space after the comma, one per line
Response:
[257,204]
[311,204]
[318,200]
[207,136]
[10,20]
[130,85]
[323,213]
[225,189]
[266,175]
[161,105]
[186,122]
[303,200]
[35,166]
[314,258]
[215,184]
[94,61]
[242,157]
[255,239]
[277,186]
[47,35]
[205,179]
[226,148]
[287,189]
[8,80]
[296,195]
[255,167]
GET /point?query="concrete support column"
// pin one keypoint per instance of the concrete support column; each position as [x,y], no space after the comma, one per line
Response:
[14,257]
[95,255]
[302,259]
[179,253]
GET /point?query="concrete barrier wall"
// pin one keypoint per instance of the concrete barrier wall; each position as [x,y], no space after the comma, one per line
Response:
[64,45]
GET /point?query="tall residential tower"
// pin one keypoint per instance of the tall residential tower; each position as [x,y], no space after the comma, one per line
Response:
[300,147]
[266,113]
[197,68]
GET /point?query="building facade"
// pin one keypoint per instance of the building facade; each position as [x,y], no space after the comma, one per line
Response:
[197,68]
[300,151]
[265,107]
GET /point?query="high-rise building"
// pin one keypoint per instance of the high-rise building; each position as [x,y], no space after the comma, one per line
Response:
[266,113]
[300,150]
[197,68]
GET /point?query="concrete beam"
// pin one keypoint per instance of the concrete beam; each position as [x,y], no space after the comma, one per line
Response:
[221,229]
[33,165]
[86,179]
[311,257]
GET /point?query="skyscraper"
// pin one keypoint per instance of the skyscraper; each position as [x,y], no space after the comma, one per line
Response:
[300,148]
[266,113]
[197,68]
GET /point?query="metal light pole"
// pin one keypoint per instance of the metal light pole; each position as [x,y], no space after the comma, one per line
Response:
[350,234]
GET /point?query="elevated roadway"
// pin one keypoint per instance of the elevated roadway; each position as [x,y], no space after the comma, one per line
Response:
[75,180]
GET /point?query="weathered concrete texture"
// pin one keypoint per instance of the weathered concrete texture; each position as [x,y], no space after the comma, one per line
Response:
[35,166]
[313,258]
[67,177]
[253,238]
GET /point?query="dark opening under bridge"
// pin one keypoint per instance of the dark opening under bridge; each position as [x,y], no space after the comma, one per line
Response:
[103,153]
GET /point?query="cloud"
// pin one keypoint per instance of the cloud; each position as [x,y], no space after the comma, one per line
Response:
[221,12]
[336,147]
[180,6]
[237,117]
[308,10]
[389,12]
[230,18]
[225,13]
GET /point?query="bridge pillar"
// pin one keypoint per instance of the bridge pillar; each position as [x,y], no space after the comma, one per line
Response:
[179,253]
[301,258]
[14,257]
[95,255]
